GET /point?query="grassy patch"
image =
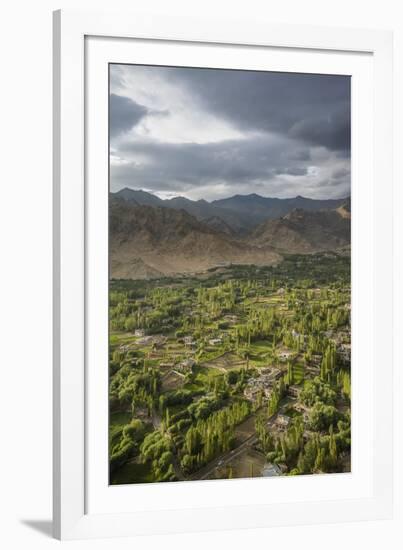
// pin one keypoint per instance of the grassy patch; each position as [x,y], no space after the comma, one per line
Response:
[132,472]
[204,374]
[119,418]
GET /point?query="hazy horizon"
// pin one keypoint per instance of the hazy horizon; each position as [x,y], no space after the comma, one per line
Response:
[212,133]
[157,194]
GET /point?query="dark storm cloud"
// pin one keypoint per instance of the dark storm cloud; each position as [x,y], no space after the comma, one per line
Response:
[301,154]
[232,161]
[294,132]
[341,174]
[258,164]
[339,178]
[331,131]
[312,108]
[124,113]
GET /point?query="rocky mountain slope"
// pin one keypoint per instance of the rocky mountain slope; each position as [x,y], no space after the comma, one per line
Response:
[150,240]
[304,232]
[147,241]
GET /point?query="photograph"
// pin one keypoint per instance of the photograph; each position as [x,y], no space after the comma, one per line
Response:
[208,200]
[229,274]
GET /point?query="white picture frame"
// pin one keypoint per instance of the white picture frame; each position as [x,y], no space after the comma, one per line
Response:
[79,217]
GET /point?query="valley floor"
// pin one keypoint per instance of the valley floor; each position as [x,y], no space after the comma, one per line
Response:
[243,371]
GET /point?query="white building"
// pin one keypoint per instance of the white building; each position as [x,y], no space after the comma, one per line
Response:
[285,354]
[215,341]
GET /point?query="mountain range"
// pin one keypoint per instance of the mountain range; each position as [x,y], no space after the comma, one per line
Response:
[148,242]
[240,213]
[151,237]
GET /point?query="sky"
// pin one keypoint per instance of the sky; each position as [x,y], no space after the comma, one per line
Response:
[213,133]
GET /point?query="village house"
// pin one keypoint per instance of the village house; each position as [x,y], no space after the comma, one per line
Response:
[266,370]
[270,370]
[252,393]
[313,369]
[156,340]
[344,352]
[185,366]
[294,391]
[282,422]
[166,365]
[301,408]
[189,341]
[316,359]
[285,354]
[270,374]
[215,341]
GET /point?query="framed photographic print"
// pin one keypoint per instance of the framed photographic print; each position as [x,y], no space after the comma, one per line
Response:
[223,296]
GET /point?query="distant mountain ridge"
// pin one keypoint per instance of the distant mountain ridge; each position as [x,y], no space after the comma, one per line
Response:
[264,208]
[240,213]
[150,241]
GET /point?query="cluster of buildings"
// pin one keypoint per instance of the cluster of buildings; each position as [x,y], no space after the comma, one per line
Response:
[344,352]
[341,339]
[185,366]
[282,422]
[262,385]
[156,340]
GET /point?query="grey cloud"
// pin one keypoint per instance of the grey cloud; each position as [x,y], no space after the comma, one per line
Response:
[253,165]
[285,120]
[292,171]
[331,131]
[301,154]
[232,161]
[116,76]
[124,113]
[341,173]
[312,108]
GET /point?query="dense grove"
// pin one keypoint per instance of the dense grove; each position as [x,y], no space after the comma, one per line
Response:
[241,359]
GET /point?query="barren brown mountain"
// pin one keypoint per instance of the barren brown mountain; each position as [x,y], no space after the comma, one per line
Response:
[147,242]
[304,232]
